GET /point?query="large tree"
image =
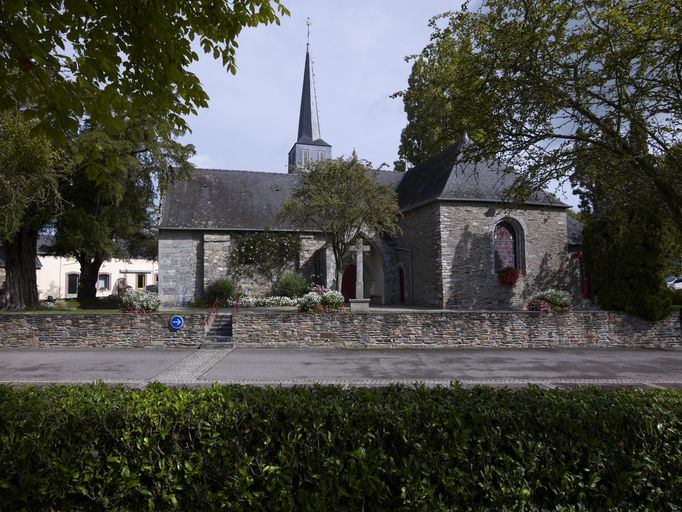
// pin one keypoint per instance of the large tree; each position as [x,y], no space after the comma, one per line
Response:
[63,59]
[30,170]
[534,82]
[114,214]
[342,199]
[628,240]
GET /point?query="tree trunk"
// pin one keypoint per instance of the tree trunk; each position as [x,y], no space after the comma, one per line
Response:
[87,285]
[21,290]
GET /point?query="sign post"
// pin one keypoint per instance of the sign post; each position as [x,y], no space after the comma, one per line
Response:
[176,322]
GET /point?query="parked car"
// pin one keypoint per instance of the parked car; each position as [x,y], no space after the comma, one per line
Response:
[676,284]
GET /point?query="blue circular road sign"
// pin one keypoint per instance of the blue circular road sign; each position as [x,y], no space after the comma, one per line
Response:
[176,322]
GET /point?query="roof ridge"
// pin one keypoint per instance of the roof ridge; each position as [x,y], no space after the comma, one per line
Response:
[283,173]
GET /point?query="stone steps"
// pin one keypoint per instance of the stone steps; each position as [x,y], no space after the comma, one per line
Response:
[214,342]
[219,335]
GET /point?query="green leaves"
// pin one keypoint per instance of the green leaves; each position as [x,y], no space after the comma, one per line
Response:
[29,175]
[343,199]
[328,448]
[267,253]
[62,58]
[533,82]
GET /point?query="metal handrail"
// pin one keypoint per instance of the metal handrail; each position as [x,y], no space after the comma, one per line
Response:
[214,312]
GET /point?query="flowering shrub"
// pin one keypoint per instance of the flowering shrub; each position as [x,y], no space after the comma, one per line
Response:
[140,300]
[310,303]
[332,300]
[260,302]
[509,275]
[265,253]
[318,288]
[550,300]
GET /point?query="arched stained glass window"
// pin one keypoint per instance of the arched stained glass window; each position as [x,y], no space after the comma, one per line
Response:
[506,254]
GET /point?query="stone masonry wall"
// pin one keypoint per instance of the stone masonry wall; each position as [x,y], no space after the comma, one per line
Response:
[310,244]
[181,269]
[421,237]
[216,254]
[467,263]
[252,328]
[454,329]
[99,330]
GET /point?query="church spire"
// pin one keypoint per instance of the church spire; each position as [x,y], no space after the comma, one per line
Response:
[308,119]
[309,146]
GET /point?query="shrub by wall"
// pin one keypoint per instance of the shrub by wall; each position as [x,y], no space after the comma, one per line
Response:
[326,448]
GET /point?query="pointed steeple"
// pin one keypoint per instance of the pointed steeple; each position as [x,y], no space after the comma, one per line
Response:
[308,119]
[309,146]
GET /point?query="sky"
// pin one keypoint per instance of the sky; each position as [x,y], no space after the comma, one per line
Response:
[358,51]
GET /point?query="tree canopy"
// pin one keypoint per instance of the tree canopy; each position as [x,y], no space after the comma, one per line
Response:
[30,172]
[342,199]
[629,243]
[114,215]
[536,82]
[63,59]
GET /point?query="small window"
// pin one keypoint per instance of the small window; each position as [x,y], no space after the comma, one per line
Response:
[323,156]
[104,282]
[305,156]
[72,281]
[141,281]
[505,247]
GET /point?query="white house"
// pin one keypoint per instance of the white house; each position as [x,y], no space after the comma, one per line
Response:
[58,277]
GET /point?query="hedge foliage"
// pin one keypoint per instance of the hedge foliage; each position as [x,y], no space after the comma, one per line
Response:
[98,447]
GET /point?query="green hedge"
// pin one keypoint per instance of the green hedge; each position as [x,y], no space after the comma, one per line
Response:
[325,448]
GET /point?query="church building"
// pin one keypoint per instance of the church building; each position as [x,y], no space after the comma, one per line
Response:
[458,231]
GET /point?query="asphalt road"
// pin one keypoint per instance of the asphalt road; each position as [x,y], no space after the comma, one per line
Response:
[498,367]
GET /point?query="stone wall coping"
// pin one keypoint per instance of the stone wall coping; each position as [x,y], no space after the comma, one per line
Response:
[454,312]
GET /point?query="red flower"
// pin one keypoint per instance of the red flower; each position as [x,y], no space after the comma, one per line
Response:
[509,275]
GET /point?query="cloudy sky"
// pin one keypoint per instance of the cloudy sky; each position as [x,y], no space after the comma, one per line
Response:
[358,51]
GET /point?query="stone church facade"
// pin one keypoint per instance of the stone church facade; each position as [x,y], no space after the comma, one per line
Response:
[458,231]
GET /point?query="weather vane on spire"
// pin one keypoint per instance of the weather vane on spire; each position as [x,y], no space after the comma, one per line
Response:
[307,43]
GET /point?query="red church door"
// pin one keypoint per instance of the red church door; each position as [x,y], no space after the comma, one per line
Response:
[348,283]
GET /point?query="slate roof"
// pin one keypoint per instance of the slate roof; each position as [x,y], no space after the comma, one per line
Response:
[445,177]
[234,200]
[308,119]
[227,200]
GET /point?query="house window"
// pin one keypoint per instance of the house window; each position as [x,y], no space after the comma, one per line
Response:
[505,246]
[323,156]
[72,281]
[104,282]
[305,156]
[141,281]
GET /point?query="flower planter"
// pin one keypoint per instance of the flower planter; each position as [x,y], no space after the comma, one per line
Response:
[508,276]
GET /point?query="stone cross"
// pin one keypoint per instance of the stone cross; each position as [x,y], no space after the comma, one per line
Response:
[359,284]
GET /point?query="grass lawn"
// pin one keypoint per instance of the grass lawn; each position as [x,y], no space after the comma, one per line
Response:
[103,305]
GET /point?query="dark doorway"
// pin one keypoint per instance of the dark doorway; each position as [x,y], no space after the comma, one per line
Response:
[348,283]
[401,276]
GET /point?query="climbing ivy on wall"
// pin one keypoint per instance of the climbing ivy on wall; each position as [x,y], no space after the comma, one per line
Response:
[266,253]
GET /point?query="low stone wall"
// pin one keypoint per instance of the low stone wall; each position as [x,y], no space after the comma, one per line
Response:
[453,329]
[99,330]
[253,328]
